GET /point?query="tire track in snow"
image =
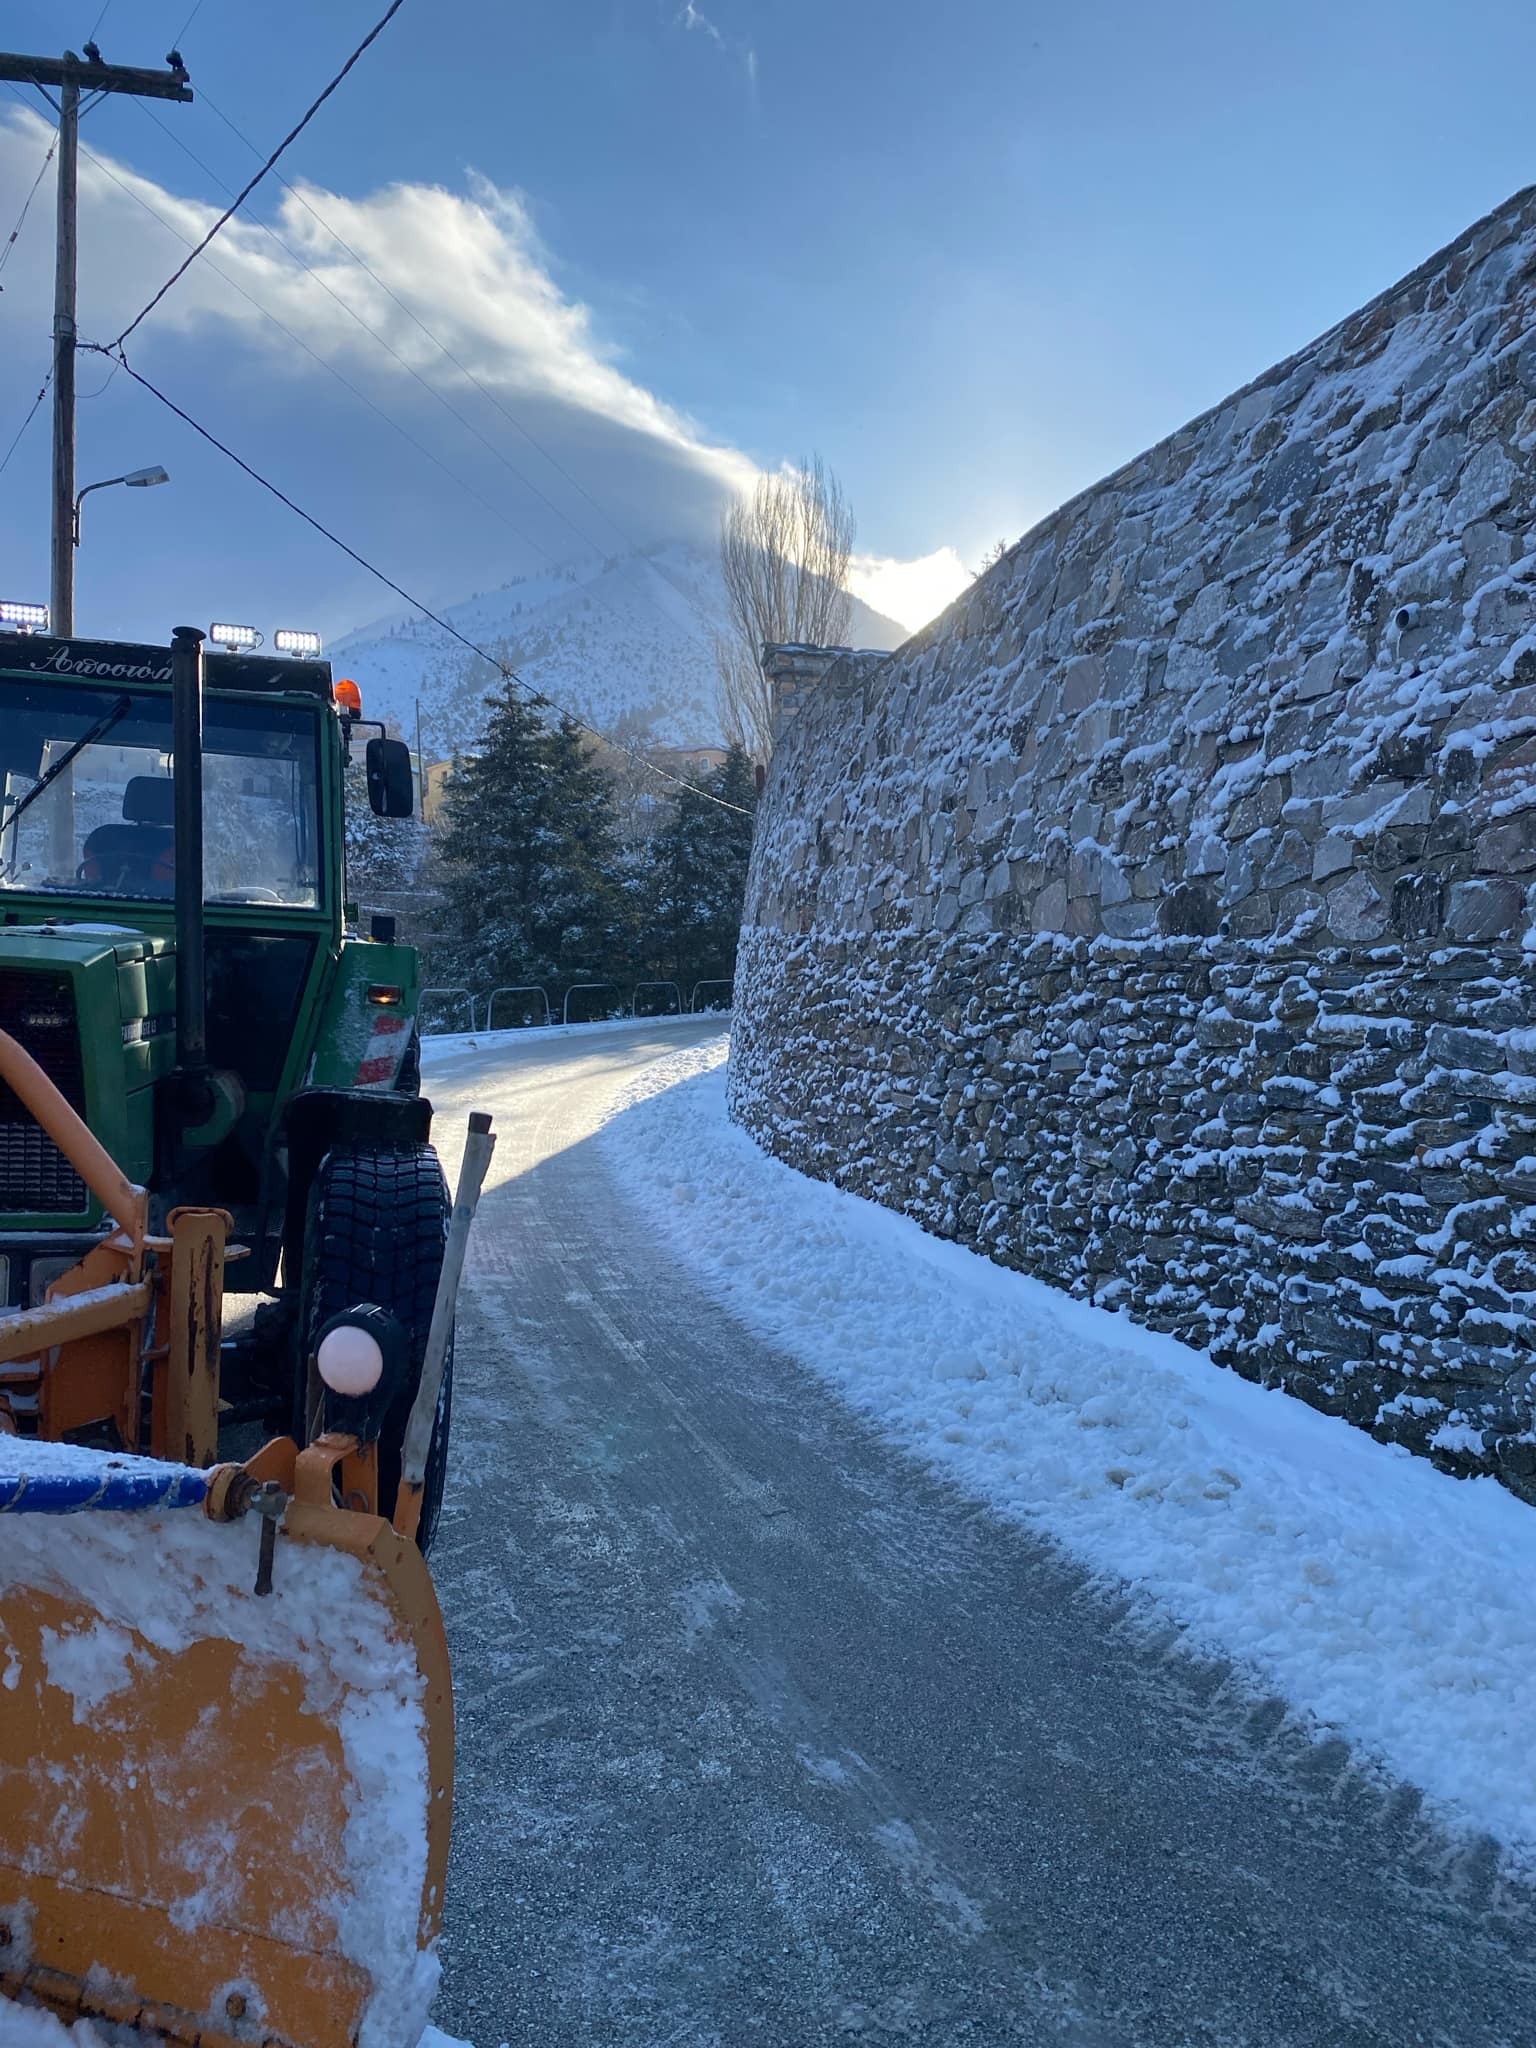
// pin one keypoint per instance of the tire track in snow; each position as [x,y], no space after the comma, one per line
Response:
[706,1846]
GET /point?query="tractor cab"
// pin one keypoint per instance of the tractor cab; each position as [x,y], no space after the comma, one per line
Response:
[204,1081]
[175,953]
[87,795]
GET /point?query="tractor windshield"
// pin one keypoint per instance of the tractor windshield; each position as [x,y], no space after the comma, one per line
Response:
[86,782]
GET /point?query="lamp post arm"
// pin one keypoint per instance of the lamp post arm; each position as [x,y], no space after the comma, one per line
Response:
[80,500]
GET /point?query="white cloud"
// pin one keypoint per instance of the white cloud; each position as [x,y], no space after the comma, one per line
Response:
[690,17]
[470,266]
[912,592]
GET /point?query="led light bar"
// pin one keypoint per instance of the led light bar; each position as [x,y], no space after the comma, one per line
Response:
[288,640]
[23,618]
[234,639]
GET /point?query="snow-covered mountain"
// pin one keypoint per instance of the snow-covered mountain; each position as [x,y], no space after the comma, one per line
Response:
[626,643]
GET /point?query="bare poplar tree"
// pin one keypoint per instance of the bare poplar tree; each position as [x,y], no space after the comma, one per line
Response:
[784,554]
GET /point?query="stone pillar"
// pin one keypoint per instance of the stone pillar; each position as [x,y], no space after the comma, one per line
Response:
[791,670]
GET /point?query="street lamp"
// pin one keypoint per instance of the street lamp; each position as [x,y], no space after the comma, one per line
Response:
[136,479]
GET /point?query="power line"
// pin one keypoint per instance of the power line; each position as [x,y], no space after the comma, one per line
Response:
[389,348]
[504,668]
[21,218]
[292,136]
[299,342]
[383,341]
[101,387]
[439,344]
[179,37]
[486,392]
[16,439]
[410,369]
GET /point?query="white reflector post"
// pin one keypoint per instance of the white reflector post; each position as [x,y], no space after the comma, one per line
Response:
[478,1147]
[288,640]
[24,618]
[234,638]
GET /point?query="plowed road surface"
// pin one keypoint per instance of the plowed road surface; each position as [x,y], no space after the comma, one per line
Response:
[768,1737]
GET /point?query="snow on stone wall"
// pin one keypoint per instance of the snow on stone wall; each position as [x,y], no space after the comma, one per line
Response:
[1160,920]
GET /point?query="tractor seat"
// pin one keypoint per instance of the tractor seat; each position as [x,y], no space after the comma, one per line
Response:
[137,857]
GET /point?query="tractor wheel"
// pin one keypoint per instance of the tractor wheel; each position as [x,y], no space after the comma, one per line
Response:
[374,1231]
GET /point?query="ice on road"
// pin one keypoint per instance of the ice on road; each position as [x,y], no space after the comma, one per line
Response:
[1388,1600]
[783,1721]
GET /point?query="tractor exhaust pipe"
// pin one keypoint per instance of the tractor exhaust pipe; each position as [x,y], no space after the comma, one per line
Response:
[195,1094]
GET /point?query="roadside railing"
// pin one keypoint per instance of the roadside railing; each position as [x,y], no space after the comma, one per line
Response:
[596,1012]
[441,995]
[713,1002]
[529,1019]
[672,1009]
[585,1002]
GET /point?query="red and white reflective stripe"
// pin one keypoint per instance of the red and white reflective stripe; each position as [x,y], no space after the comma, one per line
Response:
[386,1048]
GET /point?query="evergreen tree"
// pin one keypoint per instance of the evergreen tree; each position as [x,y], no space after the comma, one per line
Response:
[725,840]
[530,856]
[695,875]
[384,855]
[583,912]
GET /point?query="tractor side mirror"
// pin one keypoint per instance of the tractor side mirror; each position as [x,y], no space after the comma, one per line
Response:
[391,793]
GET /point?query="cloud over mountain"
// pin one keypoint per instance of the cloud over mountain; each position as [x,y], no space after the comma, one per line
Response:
[445,402]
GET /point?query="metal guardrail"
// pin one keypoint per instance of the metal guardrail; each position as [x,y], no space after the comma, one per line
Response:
[517,988]
[677,997]
[463,994]
[591,988]
[730,991]
[706,997]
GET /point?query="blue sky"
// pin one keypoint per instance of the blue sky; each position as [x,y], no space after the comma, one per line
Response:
[976,255]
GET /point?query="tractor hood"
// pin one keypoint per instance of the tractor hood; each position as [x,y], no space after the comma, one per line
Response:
[48,945]
[142,964]
[95,1005]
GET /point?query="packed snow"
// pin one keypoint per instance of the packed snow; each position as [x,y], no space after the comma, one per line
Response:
[626,641]
[325,1623]
[1380,1597]
[33,2026]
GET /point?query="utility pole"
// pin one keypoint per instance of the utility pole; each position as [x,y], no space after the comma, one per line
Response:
[72,75]
[61,587]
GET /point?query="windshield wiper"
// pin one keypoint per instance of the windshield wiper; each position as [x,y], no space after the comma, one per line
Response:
[114,715]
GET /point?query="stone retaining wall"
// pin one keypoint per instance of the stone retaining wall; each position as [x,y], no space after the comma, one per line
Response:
[1160,920]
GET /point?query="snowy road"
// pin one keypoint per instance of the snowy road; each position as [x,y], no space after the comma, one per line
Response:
[767,1736]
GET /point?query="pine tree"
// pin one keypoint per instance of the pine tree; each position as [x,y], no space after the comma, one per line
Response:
[581,918]
[383,854]
[695,875]
[530,857]
[725,849]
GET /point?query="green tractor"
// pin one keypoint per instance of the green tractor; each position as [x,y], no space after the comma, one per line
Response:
[174,953]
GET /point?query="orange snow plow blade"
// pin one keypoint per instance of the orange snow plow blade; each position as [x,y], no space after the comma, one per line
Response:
[224,1812]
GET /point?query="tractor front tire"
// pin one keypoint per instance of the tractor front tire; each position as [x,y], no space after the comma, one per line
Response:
[374,1231]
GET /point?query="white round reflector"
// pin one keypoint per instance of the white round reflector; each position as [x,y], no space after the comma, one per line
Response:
[349,1360]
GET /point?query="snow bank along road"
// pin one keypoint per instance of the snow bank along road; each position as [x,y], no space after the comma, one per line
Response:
[771,1732]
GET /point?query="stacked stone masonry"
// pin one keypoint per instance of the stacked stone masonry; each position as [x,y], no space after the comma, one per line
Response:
[1162,920]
